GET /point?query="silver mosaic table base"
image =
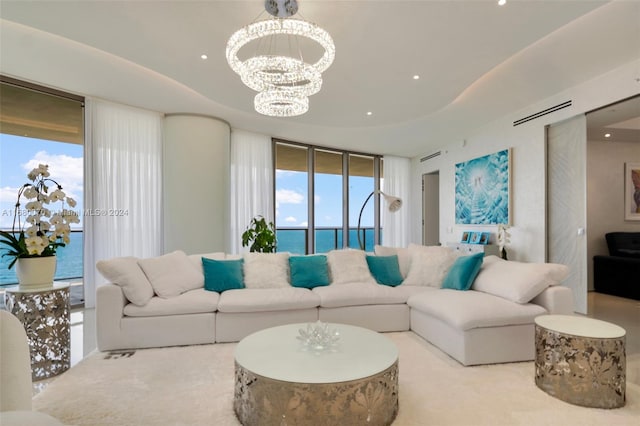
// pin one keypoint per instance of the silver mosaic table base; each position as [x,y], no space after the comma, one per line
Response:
[262,401]
[45,315]
[585,371]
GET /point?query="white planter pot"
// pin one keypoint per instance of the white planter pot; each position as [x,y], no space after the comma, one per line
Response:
[36,271]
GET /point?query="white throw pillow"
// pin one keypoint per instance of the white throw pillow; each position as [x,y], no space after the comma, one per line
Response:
[349,266]
[517,281]
[266,270]
[196,259]
[125,272]
[404,257]
[172,274]
[429,265]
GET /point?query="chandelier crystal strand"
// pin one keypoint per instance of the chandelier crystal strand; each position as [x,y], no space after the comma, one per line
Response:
[283,82]
[281,103]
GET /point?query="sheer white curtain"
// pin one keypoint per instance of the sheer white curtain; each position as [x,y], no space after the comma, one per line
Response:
[123,186]
[396,182]
[251,183]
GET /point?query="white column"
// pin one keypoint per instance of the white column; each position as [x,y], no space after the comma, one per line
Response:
[196,183]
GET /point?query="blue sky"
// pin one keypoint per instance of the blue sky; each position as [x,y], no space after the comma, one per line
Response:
[291,200]
[19,155]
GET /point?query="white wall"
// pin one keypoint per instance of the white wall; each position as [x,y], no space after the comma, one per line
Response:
[605,194]
[196,183]
[528,162]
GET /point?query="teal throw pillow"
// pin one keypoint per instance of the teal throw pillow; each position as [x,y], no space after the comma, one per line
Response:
[222,275]
[385,269]
[309,271]
[463,272]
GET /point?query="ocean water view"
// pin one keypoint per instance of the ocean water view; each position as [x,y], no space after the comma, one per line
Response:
[293,240]
[68,262]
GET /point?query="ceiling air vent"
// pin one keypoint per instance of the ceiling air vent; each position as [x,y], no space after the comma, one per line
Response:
[430,156]
[541,113]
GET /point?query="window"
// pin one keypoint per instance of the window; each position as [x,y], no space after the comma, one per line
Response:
[41,125]
[340,183]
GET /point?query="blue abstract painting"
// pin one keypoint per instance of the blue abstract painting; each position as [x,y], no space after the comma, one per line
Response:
[482,190]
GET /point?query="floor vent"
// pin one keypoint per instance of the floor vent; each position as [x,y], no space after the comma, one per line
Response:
[430,156]
[541,113]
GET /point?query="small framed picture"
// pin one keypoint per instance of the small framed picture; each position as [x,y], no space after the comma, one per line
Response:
[465,237]
[484,238]
[474,237]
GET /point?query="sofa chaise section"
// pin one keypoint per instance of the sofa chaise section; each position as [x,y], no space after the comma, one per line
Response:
[475,327]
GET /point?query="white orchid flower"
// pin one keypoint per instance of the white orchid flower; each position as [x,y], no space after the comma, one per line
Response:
[36,245]
[31,231]
[71,217]
[57,195]
[56,219]
[33,205]
[71,202]
[32,219]
[43,169]
[30,192]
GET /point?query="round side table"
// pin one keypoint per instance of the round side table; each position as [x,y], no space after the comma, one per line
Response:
[45,314]
[581,360]
[278,381]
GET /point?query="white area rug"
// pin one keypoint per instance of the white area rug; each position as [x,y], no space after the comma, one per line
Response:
[193,385]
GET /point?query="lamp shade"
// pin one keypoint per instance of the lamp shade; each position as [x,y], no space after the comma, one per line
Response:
[394,203]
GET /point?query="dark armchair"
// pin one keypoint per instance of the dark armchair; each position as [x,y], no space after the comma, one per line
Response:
[619,273]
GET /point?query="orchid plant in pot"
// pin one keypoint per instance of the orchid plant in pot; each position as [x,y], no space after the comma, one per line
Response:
[32,243]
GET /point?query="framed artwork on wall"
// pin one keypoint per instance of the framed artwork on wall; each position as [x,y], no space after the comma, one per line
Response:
[632,191]
[483,190]
[484,238]
[465,237]
[474,237]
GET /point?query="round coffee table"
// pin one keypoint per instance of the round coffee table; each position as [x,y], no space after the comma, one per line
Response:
[581,360]
[279,381]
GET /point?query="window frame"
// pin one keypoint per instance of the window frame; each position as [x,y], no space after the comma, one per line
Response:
[311,151]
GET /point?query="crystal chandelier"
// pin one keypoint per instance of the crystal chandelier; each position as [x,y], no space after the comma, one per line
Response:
[283,82]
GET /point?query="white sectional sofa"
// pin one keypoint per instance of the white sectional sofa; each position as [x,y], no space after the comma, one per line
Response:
[161,301]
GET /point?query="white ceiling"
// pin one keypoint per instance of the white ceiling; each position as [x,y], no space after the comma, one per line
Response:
[621,121]
[477,61]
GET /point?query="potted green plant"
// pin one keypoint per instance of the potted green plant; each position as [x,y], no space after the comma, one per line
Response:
[260,235]
[33,244]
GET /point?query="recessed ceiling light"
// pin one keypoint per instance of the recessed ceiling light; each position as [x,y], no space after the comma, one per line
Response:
[416,77]
[502,2]
[203,56]
[369,113]
[607,135]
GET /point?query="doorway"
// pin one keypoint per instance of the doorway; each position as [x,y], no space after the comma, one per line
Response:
[431,209]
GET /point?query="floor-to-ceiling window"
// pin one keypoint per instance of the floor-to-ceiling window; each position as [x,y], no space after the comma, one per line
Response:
[39,125]
[319,194]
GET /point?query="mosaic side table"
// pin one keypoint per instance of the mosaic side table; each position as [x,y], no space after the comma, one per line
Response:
[581,360]
[44,313]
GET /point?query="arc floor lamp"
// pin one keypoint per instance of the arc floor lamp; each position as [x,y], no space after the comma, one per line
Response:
[394,203]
